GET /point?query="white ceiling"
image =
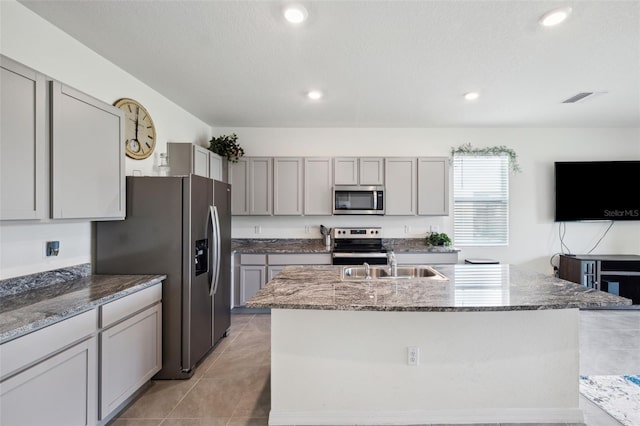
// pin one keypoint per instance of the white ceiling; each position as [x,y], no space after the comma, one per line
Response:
[380,63]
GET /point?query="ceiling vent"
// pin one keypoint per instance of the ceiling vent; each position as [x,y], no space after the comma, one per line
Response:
[581,97]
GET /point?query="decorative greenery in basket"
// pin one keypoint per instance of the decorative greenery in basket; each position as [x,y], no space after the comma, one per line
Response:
[227,146]
[438,239]
[490,150]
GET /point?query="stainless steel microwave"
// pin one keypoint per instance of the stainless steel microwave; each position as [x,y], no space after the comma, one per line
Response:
[358,199]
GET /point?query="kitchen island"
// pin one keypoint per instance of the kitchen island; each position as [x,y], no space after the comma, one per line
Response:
[495,343]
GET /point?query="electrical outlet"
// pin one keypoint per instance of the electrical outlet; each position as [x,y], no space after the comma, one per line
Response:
[407,229]
[307,229]
[258,229]
[413,355]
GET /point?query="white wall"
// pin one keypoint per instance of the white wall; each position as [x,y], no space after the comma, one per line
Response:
[29,39]
[533,233]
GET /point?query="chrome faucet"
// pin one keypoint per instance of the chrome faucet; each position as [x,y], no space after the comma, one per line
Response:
[393,264]
[367,270]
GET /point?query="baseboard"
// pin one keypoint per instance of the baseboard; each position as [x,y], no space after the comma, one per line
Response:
[453,416]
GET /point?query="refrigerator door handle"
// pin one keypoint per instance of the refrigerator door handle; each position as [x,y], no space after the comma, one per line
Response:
[213,210]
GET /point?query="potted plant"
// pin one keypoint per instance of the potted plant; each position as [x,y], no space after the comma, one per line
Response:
[438,239]
[227,146]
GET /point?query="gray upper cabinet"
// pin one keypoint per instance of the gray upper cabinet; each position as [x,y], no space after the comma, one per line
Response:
[345,171]
[239,179]
[400,188]
[433,186]
[317,186]
[358,171]
[200,161]
[251,180]
[260,186]
[23,190]
[216,167]
[185,158]
[371,171]
[87,156]
[287,186]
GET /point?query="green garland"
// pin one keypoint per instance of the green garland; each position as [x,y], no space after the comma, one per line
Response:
[467,149]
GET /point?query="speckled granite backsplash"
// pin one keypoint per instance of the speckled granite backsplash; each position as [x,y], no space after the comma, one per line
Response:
[24,283]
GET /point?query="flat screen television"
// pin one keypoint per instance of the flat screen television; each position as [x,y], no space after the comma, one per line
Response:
[597,190]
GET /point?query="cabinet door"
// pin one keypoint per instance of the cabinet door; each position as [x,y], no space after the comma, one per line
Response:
[200,161]
[345,171]
[274,270]
[260,186]
[130,353]
[215,166]
[87,149]
[59,391]
[400,188]
[287,186]
[252,279]
[22,142]
[317,186]
[239,180]
[433,186]
[371,171]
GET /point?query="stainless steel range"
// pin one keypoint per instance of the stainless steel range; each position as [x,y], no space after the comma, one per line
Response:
[355,246]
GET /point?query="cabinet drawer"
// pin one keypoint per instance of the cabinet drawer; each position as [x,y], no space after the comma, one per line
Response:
[131,353]
[128,305]
[426,258]
[26,350]
[300,259]
[253,259]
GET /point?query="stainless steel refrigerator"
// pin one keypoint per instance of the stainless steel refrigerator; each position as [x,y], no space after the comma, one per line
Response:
[180,227]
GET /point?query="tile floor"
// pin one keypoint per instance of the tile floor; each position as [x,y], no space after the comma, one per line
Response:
[231,386]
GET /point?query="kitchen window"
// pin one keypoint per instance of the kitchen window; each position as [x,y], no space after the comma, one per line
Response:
[481,200]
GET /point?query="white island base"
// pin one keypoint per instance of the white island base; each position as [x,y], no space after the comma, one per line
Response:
[335,367]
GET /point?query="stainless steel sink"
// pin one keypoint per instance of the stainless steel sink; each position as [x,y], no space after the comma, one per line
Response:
[357,273]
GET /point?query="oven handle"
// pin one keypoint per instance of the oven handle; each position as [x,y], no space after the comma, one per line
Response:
[359,254]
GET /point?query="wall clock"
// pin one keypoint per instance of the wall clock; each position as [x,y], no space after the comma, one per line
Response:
[139,129]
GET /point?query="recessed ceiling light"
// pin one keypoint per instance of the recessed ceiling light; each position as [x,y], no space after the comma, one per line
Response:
[555,17]
[295,13]
[314,95]
[471,96]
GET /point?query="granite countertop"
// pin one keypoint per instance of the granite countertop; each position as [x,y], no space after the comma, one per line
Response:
[469,288]
[31,303]
[301,245]
[415,245]
[279,245]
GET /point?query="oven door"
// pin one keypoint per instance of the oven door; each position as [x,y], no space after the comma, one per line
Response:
[358,200]
[353,258]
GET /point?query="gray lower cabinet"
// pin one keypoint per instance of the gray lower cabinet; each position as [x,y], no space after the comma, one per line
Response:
[49,377]
[253,271]
[57,376]
[130,350]
[87,156]
[433,186]
[400,187]
[256,270]
[22,142]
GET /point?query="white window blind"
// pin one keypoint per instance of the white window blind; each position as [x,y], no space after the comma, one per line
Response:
[481,200]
